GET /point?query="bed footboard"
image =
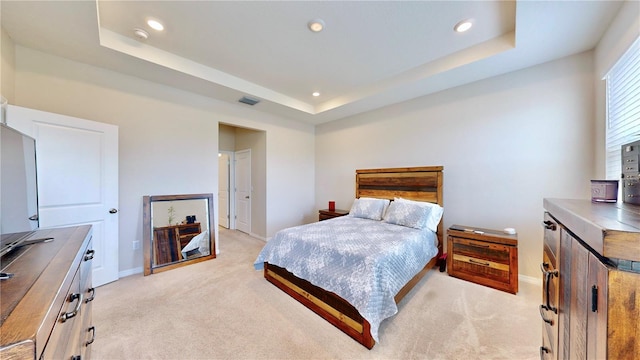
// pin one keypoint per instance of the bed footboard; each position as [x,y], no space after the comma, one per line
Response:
[332,307]
[328,305]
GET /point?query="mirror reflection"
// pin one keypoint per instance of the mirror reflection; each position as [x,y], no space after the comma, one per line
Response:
[177,230]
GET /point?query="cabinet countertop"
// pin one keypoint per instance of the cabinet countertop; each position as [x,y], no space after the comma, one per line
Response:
[611,229]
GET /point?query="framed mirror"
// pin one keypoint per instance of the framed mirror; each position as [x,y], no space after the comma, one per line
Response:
[177,231]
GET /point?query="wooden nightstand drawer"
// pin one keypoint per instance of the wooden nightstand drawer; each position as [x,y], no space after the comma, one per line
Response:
[330,214]
[481,250]
[487,257]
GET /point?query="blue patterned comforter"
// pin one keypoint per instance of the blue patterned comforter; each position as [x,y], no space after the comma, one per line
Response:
[366,262]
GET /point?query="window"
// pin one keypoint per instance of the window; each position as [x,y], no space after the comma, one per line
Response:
[623,107]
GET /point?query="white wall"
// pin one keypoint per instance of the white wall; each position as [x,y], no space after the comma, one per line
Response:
[162,129]
[7,66]
[624,30]
[505,143]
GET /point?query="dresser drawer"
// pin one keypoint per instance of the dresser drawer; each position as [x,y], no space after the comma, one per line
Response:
[551,236]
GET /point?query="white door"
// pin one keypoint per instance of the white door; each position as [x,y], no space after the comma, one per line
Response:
[243,190]
[223,190]
[77,165]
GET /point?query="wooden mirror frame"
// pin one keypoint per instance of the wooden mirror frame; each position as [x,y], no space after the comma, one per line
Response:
[147,232]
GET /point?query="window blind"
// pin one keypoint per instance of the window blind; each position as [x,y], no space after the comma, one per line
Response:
[623,107]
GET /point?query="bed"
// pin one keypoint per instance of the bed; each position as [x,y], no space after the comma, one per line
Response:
[332,285]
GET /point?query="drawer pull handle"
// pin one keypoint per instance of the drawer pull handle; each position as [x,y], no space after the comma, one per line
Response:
[93,295]
[479,262]
[92,330]
[545,308]
[550,225]
[68,315]
[89,255]
[548,275]
[543,350]
[480,245]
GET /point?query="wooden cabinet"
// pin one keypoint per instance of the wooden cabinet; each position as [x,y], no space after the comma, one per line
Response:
[598,297]
[46,305]
[330,214]
[169,241]
[484,256]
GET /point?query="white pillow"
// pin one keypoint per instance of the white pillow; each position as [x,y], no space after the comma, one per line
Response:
[435,212]
[369,208]
[407,214]
[199,242]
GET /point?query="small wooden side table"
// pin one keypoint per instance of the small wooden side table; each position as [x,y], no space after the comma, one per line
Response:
[484,256]
[325,214]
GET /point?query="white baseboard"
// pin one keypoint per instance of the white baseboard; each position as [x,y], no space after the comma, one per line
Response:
[128,272]
[530,279]
[258,237]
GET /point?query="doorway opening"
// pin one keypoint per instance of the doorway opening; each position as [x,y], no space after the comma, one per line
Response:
[242,179]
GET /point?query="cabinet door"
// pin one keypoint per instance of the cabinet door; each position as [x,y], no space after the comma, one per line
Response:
[597,310]
[623,313]
[580,297]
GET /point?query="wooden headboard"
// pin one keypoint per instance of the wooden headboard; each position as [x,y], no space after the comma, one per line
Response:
[414,183]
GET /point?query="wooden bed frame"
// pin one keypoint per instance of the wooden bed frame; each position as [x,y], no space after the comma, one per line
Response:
[415,183]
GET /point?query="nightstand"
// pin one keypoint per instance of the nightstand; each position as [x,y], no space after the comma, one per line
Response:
[484,256]
[330,214]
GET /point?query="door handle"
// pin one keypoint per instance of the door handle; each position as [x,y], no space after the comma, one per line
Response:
[246,197]
[113,211]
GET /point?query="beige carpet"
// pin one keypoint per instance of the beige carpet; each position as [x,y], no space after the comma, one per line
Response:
[223,309]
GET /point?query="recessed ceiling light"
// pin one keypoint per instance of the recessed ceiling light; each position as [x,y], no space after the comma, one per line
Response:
[141,34]
[316,25]
[463,26]
[155,25]
[316,94]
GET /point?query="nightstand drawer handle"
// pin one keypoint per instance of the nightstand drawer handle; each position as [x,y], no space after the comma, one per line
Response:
[479,262]
[479,245]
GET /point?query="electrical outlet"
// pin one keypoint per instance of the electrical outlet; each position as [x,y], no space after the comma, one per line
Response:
[136,245]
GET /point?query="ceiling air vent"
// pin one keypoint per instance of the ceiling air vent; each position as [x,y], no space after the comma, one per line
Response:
[249,101]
